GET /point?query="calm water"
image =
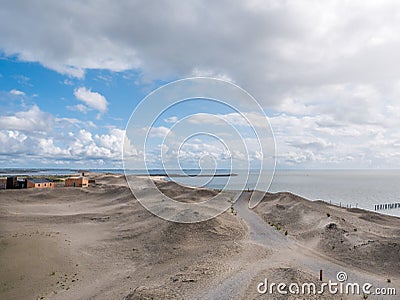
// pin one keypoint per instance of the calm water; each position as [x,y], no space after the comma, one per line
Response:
[362,188]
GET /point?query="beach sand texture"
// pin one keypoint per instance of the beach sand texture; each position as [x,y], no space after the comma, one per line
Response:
[100,243]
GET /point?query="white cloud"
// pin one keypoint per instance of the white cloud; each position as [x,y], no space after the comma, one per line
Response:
[210,73]
[327,72]
[75,147]
[236,119]
[36,120]
[320,140]
[47,148]
[273,47]
[159,132]
[112,140]
[12,142]
[172,119]
[36,136]
[79,107]
[17,92]
[91,99]
[32,120]
[68,82]
[107,146]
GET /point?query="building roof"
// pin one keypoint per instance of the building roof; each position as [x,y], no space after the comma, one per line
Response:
[39,180]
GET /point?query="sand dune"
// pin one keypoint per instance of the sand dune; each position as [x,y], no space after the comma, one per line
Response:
[100,243]
[356,237]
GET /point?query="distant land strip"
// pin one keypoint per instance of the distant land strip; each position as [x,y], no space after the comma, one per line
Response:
[193,175]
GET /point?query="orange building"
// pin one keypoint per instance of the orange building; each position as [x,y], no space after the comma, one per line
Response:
[39,183]
[77,182]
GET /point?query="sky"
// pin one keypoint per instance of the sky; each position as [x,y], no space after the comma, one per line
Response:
[326,73]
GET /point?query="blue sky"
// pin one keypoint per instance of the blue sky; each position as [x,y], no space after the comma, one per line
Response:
[28,85]
[55,92]
[326,75]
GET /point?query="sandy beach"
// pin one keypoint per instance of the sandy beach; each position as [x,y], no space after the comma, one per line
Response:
[100,243]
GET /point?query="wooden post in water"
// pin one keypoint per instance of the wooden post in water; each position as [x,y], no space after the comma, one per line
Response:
[320,275]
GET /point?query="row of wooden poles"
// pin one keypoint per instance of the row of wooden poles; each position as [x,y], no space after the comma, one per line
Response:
[387,206]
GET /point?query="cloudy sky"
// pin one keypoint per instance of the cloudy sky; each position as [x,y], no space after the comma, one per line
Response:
[327,73]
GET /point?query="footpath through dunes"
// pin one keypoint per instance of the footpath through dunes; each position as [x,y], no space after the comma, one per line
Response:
[358,238]
[299,256]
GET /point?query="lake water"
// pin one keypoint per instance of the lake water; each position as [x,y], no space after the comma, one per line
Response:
[361,188]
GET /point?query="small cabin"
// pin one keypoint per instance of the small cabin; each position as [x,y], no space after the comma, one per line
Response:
[39,183]
[12,182]
[3,183]
[21,183]
[77,182]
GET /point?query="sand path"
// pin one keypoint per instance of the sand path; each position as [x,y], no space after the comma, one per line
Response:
[286,253]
